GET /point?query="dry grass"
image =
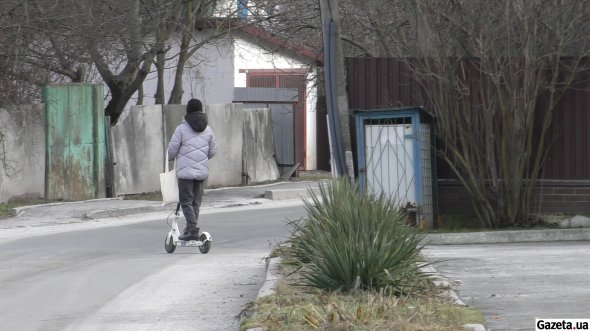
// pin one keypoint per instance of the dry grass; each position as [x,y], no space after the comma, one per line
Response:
[296,308]
[150,196]
[6,210]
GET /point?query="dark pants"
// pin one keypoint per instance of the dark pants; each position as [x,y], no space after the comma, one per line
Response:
[190,193]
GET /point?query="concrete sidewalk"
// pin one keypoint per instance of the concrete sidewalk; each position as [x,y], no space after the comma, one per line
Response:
[70,212]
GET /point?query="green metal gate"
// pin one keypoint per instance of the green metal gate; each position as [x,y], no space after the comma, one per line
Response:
[76,143]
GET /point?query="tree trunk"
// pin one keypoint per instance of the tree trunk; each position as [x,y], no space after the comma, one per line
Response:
[192,7]
[122,91]
[160,89]
[139,96]
[177,90]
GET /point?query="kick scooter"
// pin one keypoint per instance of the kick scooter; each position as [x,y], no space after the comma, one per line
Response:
[204,242]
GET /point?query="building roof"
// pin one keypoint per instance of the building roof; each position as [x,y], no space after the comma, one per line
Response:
[259,33]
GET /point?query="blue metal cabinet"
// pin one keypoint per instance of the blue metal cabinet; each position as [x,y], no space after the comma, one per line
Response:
[394,156]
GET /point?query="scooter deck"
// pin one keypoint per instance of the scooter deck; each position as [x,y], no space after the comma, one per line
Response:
[190,243]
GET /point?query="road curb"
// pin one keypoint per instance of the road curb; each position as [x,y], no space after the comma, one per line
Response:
[440,281]
[286,194]
[509,236]
[270,281]
[269,286]
[273,195]
[120,212]
[19,210]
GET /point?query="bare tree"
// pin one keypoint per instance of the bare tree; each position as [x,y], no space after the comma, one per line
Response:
[493,72]
[190,43]
[217,20]
[111,41]
[135,45]
[18,78]
[75,39]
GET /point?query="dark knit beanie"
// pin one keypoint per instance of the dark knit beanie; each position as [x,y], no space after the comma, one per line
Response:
[194,105]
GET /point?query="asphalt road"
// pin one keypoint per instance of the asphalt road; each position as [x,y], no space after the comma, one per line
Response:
[515,283]
[114,274]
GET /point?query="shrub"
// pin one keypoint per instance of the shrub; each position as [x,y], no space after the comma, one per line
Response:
[355,241]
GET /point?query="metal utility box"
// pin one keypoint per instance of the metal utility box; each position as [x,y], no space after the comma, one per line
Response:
[394,154]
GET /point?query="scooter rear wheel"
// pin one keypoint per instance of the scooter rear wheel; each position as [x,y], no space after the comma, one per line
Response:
[206,246]
[169,244]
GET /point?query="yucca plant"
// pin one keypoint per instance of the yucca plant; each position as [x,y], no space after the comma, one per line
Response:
[352,240]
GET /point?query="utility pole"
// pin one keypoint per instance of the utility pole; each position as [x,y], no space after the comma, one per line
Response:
[336,98]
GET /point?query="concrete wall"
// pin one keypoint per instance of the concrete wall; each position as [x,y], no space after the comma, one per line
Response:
[139,141]
[138,150]
[173,115]
[141,138]
[259,161]
[233,127]
[23,131]
[227,122]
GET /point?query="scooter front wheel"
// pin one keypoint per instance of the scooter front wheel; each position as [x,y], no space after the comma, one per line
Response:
[206,246]
[169,244]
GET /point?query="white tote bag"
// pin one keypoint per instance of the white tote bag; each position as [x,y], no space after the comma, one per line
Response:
[169,185]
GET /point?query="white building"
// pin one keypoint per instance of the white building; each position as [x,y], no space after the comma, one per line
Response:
[249,57]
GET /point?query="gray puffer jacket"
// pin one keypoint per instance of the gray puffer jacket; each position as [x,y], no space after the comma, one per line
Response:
[193,144]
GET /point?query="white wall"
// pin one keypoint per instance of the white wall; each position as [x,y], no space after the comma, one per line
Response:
[215,76]
[251,56]
[208,74]
[311,121]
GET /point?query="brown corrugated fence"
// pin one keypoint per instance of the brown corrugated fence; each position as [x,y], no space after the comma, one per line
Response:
[375,83]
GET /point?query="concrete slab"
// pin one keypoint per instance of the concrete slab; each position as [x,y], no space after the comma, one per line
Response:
[514,283]
[491,237]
